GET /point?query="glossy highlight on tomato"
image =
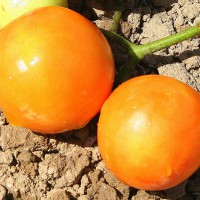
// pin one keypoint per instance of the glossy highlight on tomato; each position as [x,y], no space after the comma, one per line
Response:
[56,70]
[149,132]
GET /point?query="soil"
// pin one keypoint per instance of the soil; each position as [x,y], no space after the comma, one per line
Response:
[68,165]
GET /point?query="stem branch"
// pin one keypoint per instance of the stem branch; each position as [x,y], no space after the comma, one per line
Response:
[143,50]
[116,20]
[118,8]
[138,52]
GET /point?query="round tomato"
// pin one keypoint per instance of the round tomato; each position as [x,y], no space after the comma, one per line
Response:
[56,70]
[149,132]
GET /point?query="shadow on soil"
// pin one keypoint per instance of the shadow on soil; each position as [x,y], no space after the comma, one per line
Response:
[84,137]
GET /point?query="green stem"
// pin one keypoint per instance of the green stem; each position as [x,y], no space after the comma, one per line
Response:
[129,46]
[118,8]
[138,52]
[128,68]
[119,39]
[116,20]
[143,50]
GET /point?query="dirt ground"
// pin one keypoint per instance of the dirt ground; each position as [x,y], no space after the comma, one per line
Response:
[68,165]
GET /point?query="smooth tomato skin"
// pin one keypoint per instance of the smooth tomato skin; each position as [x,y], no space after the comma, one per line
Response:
[56,68]
[11,9]
[149,132]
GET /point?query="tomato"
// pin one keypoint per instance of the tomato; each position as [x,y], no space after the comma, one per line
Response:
[11,9]
[149,132]
[57,70]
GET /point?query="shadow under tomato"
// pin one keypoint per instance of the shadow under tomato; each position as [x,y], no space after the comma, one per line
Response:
[84,137]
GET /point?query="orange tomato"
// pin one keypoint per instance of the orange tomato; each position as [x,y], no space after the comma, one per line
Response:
[149,132]
[56,70]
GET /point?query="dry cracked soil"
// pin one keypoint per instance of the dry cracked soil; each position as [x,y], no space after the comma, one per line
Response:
[69,165]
